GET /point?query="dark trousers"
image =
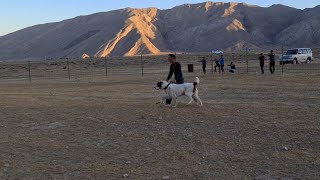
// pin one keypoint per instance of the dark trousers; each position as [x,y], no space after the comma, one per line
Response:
[222,66]
[180,81]
[215,67]
[262,68]
[204,69]
[272,67]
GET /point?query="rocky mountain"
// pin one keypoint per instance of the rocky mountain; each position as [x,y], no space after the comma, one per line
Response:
[185,28]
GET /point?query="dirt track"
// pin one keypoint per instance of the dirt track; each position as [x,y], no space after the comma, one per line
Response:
[103,130]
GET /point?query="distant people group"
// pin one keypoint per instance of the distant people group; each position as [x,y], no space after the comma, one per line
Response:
[272,62]
[219,64]
[175,67]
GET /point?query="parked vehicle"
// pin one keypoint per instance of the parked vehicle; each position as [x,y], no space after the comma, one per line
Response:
[217,52]
[297,55]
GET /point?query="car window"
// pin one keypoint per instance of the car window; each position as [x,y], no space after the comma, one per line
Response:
[307,51]
[294,51]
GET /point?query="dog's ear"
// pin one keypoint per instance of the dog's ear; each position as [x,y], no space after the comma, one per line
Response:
[159,84]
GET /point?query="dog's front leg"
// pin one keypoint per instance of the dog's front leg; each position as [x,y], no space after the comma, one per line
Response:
[162,101]
[175,102]
[164,98]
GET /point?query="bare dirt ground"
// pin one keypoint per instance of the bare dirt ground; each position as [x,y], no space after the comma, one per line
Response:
[262,127]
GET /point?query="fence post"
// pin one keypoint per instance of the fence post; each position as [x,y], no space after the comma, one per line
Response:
[282,64]
[29,69]
[68,68]
[247,60]
[141,66]
[211,56]
[106,66]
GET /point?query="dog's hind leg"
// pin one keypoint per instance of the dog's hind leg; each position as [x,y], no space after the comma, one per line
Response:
[191,98]
[197,99]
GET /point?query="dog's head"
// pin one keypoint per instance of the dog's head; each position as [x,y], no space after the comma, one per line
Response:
[161,85]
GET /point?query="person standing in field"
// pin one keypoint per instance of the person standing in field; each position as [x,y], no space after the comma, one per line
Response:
[221,62]
[262,59]
[217,65]
[175,68]
[272,61]
[204,65]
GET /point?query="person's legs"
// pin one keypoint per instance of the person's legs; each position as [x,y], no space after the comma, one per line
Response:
[262,70]
[204,69]
[222,68]
[273,67]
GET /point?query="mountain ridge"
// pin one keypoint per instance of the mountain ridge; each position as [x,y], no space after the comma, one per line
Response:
[185,28]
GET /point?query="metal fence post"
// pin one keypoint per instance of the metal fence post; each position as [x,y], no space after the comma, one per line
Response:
[106,66]
[211,56]
[68,68]
[282,64]
[247,60]
[141,66]
[29,70]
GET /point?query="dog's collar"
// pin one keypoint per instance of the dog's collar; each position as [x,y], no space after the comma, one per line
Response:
[167,86]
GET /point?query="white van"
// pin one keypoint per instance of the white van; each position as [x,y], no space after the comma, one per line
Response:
[297,55]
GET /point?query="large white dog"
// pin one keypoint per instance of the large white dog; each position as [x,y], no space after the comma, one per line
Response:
[173,91]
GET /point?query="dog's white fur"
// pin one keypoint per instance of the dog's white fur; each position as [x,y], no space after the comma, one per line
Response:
[174,91]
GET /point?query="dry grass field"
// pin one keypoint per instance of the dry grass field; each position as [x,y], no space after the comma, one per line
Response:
[250,127]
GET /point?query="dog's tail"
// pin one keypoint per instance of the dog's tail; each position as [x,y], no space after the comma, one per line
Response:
[196,82]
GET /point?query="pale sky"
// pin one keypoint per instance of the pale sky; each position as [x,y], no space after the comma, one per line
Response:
[18,14]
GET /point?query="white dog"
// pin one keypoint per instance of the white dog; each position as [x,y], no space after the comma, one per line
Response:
[173,91]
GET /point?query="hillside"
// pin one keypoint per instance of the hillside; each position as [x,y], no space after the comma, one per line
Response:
[185,28]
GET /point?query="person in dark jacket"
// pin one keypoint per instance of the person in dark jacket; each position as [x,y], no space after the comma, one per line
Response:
[204,65]
[232,67]
[217,65]
[272,61]
[262,59]
[175,69]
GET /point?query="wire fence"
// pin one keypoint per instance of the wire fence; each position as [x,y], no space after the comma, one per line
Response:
[94,69]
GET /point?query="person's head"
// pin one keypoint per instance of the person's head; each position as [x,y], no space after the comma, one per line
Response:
[271,51]
[221,56]
[204,58]
[261,54]
[172,58]
[231,63]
